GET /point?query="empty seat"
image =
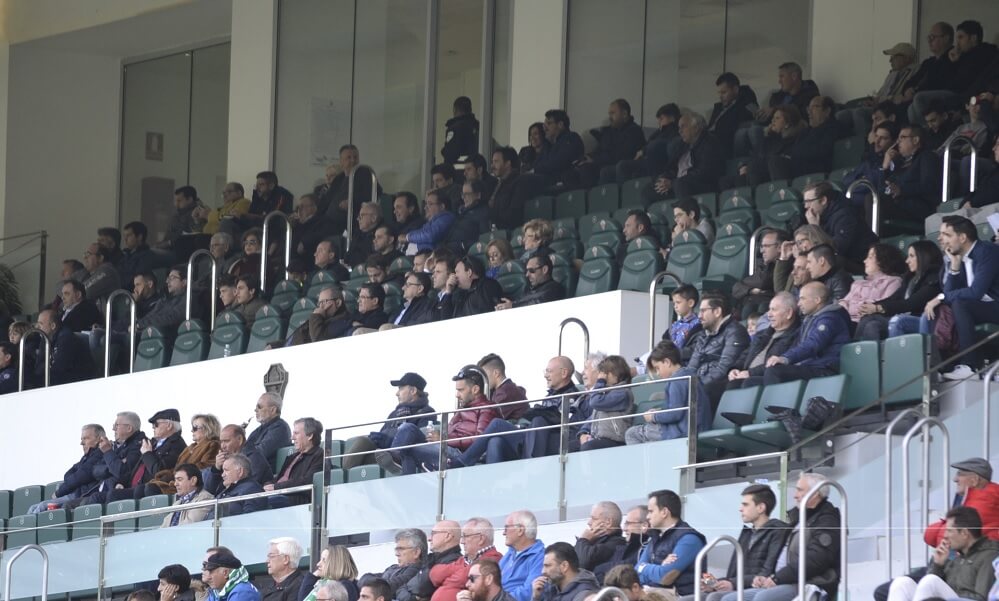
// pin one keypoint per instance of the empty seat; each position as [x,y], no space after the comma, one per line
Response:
[763,193]
[831,388]
[285,294]
[708,202]
[782,215]
[734,202]
[229,336]
[729,261]
[565,227]
[901,242]
[52,527]
[905,357]
[662,209]
[733,229]
[631,192]
[612,238]
[569,248]
[282,455]
[723,431]
[743,215]
[337,476]
[779,195]
[848,152]
[603,198]
[300,312]
[20,531]
[152,350]
[861,361]
[86,521]
[688,261]
[539,207]
[6,500]
[563,273]
[153,502]
[595,222]
[118,507]
[837,176]
[641,265]
[571,204]
[25,497]
[365,472]
[786,395]
[336,447]
[599,272]
[491,235]
[191,344]
[269,326]
[401,266]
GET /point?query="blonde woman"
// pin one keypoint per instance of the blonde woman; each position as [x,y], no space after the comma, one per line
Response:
[205,430]
[336,564]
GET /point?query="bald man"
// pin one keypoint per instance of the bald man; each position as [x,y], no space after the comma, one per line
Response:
[541,443]
[444,549]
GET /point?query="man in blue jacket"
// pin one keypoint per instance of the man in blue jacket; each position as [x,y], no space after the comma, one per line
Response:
[238,481]
[524,557]
[825,328]
[439,222]
[667,363]
[79,477]
[668,560]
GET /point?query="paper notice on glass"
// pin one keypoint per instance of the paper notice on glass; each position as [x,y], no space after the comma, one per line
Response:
[329,129]
[994,221]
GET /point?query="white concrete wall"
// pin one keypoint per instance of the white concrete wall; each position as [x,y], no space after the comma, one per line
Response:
[25,20]
[537,81]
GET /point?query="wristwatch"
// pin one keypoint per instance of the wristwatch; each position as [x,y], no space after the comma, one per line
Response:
[941,296]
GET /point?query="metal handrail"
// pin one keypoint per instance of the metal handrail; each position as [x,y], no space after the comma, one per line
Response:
[485,382]
[350,199]
[888,473]
[924,425]
[43,237]
[190,283]
[612,589]
[875,201]
[131,330]
[45,570]
[263,249]
[945,188]
[987,417]
[20,356]
[802,543]
[586,335]
[753,242]
[739,559]
[656,280]
[15,237]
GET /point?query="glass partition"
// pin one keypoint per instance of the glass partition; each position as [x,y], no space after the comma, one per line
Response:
[385,504]
[533,484]
[138,556]
[247,535]
[73,566]
[209,115]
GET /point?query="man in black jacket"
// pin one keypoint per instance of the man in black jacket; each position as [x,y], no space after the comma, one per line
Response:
[720,348]
[602,538]
[472,221]
[159,453]
[136,256]
[232,441]
[771,342]
[543,288]
[310,228]
[69,358]
[555,163]
[417,306]
[813,150]
[333,195]
[444,549]
[728,113]
[299,467]
[118,460]
[619,141]
[757,288]
[913,178]
[825,208]
[461,134]
[80,477]
[79,313]
[655,156]
[370,314]
[822,266]
[283,556]
[506,204]
[695,169]
[468,291]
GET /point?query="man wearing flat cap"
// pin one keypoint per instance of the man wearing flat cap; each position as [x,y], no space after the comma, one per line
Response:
[474,415]
[414,406]
[159,453]
[227,579]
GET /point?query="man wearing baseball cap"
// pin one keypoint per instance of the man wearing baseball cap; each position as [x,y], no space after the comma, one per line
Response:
[227,579]
[413,404]
[158,453]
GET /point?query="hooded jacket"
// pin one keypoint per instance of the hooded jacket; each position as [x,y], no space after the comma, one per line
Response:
[822,335]
[821,549]
[970,574]
[581,587]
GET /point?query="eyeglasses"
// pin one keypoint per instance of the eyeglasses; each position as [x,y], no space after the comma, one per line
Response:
[401,549]
[474,577]
[366,297]
[197,428]
[508,526]
[467,536]
[533,270]
[769,245]
[412,284]
[326,301]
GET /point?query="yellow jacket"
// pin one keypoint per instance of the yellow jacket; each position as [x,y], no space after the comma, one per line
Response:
[236,208]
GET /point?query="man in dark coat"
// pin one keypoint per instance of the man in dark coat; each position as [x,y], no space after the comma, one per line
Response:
[602,538]
[79,313]
[506,205]
[299,467]
[159,453]
[136,255]
[825,208]
[238,482]
[555,163]
[417,306]
[273,432]
[729,113]
[118,460]
[80,477]
[721,347]
[472,221]
[461,132]
[695,169]
[444,549]
[619,141]
[913,178]
[543,289]
[468,291]
[333,195]
[413,404]
[268,196]
[329,320]
[771,342]
[310,228]
[824,268]
[69,356]
[757,288]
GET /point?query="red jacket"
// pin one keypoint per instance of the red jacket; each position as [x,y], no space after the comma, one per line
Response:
[985,501]
[449,578]
[470,423]
[508,392]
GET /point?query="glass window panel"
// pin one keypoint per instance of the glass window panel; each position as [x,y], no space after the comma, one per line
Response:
[314,72]
[209,122]
[459,62]
[385,504]
[502,58]
[138,556]
[985,12]
[389,88]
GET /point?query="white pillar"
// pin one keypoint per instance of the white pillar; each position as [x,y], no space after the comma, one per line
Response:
[539,28]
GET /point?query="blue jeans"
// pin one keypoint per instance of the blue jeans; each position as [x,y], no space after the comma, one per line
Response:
[781,592]
[44,505]
[410,459]
[496,448]
[903,323]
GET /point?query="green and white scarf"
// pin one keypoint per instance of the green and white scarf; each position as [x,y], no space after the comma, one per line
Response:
[237,576]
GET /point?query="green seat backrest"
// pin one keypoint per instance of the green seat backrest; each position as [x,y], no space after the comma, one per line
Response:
[491,235]
[52,527]
[603,198]
[354,283]
[153,502]
[745,216]
[117,507]
[803,181]
[733,202]
[230,329]
[594,222]
[269,326]
[337,475]
[641,265]
[25,497]
[737,400]
[688,261]
[599,272]
[631,192]
[612,239]
[300,312]
[786,395]
[565,227]
[191,344]
[708,202]
[517,240]
[282,455]
[86,521]
[901,242]
[350,300]
[539,207]
[690,237]
[478,250]
[733,229]
[848,152]
[337,448]
[782,214]
[837,176]
[285,294]
[393,300]
[570,248]
[50,489]
[151,352]
[763,193]
[365,472]
[320,280]
[570,204]
[831,388]
[18,533]
[663,209]
[782,194]
[564,273]
[386,202]
[729,257]
[513,283]
[400,266]
[985,231]
[862,362]
[6,500]
[905,357]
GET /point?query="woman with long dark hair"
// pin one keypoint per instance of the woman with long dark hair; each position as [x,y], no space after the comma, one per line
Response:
[899,313]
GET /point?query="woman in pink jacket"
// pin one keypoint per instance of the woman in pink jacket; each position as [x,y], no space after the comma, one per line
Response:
[883,267]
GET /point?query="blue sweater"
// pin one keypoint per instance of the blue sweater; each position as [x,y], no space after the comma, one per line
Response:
[674,424]
[519,569]
[433,231]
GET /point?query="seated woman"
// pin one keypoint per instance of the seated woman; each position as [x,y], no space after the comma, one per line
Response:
[335,565]
[881,266]
[498,252]
[249,260]
[538,233]
[611,371]
[536,141]
[899,313]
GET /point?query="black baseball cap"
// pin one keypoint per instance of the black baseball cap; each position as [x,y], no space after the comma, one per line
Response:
[410,379]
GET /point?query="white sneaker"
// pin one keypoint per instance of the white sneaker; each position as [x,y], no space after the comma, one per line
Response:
[960,372]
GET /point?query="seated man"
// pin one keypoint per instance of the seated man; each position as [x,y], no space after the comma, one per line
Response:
[406,209]
[333,194]
[472,221]
[506,203]
[118,461]
[561,577]
[362,246]
[273,432]
[524,557]
[190,489]
[171,311]
[870,168]
[136,257]
[468,291]
[283,555]
[309,227]
[451,579]
[842,222]
[158,454]
[825,328]
[370,311]
[238,481]
[329,320]
[232,441]
[721,346]
[248,300]
[761,540]
[234,205]
[300,467]
[686,326]
[385,244]
[813,150]
[668,560]
[468,392]
[636,225]
[438,223]
[187,219]
[78,312]
[695,169]
[636,526]
[69,357]
[79,478]
[555,162]
[541,443]
[411,554]
[543,289]
[823,267]
[970,287]
[417,306]
[442,176]
[602,538]
[102,278]
[8,367]
[227,578]
[511,404]
[325,259]
[913,175]
[666,363]
[268,197]
[618,141]
[730,112]
[756,290]
[444,552]
[483,583]
[773,341]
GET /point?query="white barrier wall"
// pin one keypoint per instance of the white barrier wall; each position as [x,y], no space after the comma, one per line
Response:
[340,382]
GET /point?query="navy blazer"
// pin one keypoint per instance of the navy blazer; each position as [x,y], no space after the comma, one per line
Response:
[81,474]
[985,264]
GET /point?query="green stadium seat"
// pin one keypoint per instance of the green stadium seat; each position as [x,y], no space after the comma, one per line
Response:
[230,331]
[6,500]
[662,226]
[782,215]
[86,521]
[848,152]
[688,261]
[631,192]
[152,351]
[119,507]
[569,248]
[901,242]
[621,215]
[337,476]
[723,432]
[539,207]
[336,447]
[733,229]
[512,279]
[52,527]
[766,434]
[152,502]
[478,250]
[565,227]
[612,238]
[319,280]
[745,216]
[285,294]
[803,181]
[838,175]
[662,209]
[861,361]
[365,472]
[595,222]
[570,204]
[191,345]
[782,194]
[386,201]
[745,193]
[350,299]
[729,262]
[267,327]
[50,489]
[20,531]
[904,358]
[25,497]
[564,273]
[603,198]
[599,272]
[393,300]
[491,235]
[985,231]
[734,202]
[300,312]
[401,266]
[641,264]
[763,193]
[950,206]
[282,455]
[831,388]
[708,202]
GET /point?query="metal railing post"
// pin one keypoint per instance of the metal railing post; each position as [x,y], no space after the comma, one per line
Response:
[803,523]
[212,288]
[753,244]
[602,593]
[563,455]
[586,335]
[442,462]
[263,250]
[688,478]
[45,570]
[131,330]
[102,542]
[875,201]
[923,425]
[739,563]
[945,188]
[350,199]
[986,413]
[888,474]
[20,356]
[659,277]
[43,247]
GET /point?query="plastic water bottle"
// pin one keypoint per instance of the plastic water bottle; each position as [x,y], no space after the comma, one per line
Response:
[226,351]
